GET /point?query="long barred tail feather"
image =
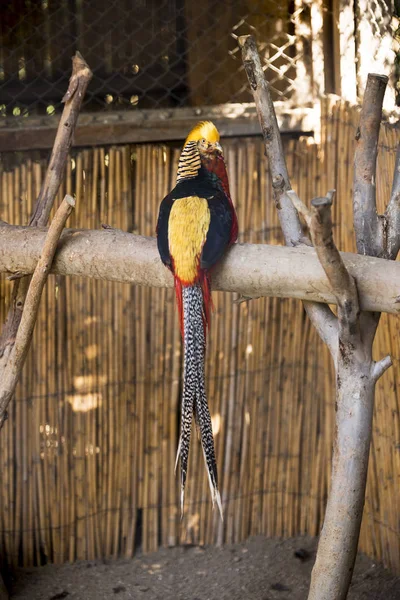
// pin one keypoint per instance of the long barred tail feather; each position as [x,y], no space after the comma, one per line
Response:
[194,399]
[188,397]
[204,420]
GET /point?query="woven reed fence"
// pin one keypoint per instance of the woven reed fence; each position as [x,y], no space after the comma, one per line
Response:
[87,455]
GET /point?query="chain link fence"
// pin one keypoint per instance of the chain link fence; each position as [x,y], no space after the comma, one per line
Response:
[144,53]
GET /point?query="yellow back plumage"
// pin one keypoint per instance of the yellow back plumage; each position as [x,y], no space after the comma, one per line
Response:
[206,130]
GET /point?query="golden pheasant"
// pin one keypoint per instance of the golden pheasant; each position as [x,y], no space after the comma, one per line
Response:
[196,224]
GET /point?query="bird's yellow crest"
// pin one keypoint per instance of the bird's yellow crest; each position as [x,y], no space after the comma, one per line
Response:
[206,130]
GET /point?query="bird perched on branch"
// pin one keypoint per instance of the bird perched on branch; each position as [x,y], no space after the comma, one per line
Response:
[196,224]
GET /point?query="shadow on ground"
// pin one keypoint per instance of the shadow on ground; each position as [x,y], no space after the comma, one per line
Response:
[260,569]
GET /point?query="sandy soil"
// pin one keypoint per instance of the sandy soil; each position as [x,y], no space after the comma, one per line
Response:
[260,569]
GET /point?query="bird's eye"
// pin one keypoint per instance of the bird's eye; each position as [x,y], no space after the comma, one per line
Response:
[203,141]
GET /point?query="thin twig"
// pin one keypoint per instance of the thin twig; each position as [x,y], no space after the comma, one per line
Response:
[23,338]
[379,368]
[17,275]
[301,208]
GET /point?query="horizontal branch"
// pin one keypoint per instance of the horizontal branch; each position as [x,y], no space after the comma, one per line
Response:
[249,269]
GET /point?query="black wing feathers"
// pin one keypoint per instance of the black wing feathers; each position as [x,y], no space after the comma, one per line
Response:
[219,231]
[162,230]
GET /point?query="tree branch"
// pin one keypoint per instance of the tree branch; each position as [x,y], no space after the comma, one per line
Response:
[343,284]
[80,78]
[252,270]
[288,218]
[321,316]
[356,376]
[356,372]
[23,338]
[368,225]
[379,368]
[78,83]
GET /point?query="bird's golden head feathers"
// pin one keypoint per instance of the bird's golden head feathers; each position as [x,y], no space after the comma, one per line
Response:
[204,130]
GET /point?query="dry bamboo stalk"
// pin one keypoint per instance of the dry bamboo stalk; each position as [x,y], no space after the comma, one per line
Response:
[171,170]
[163,341]
[277,414]
[15,511]
[71,450]
[117,375]
[242,501]
[79,435]
[288,399]
[52,407]
[142,374]
[62,372]
[90,165]
[110,377]
[175,383]
[154,449]
[7,468]
[122,317]
[137,423]
[295,446]
[39,427]
[97,302]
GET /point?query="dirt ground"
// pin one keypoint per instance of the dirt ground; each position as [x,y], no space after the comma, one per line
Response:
[260,569]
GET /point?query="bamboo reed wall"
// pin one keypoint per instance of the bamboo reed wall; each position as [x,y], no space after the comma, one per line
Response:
[87,455]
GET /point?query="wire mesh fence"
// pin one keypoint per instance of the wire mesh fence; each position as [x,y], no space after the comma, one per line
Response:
[145,53]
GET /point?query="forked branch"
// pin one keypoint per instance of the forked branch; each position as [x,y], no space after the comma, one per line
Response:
[342,283]
[350,336]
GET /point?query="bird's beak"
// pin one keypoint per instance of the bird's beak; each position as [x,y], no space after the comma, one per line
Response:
[218,147]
